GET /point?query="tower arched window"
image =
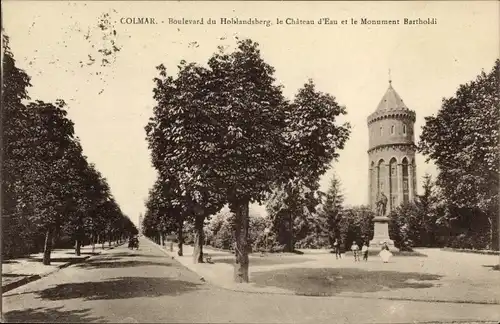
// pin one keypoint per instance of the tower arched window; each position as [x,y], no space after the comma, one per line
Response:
[393,183]
[404,129]
[381,131]
[405,180]
[392,130]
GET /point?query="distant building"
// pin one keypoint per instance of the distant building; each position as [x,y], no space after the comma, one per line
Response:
[140,224]
[391,152]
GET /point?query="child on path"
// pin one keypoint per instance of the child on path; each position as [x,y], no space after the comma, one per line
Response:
[364,249]
[355,250]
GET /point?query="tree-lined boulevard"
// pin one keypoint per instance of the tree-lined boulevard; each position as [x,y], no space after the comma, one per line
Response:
[51,194]
[146,286]
[222,136]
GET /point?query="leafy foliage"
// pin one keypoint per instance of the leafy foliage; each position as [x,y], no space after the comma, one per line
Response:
[48,185]
[463,141]
[330,214]
[292,210]
[229,136]
[220,232]
[356,224]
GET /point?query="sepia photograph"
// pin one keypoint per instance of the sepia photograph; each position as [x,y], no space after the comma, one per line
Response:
[250,161]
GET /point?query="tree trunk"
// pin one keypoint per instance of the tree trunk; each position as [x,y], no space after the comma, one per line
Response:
[290,234]
[162,242]
[100,239]
[109,239]
[494,238]
[92,241]
[78,247]
[241,236]
[498,234]
[48,247]
[180,237]
[198,239]
[78,242]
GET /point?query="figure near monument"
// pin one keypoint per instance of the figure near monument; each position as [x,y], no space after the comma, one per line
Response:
[381,204]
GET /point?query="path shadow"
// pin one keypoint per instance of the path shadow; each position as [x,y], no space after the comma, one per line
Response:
[50,315]
[332,281]
[265,260]
[216,254]
[12,275]
[85,253]
[9,261]
[74,259]
[107,263]
[9,278]
[119,288]
[125,254]
[492,266]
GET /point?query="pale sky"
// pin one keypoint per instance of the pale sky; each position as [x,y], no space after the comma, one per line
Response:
[351,62]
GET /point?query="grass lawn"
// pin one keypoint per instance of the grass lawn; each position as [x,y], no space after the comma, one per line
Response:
[332,281]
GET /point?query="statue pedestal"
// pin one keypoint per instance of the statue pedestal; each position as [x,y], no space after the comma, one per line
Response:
[381,235]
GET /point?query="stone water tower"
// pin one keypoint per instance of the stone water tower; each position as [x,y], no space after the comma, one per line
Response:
[391,153]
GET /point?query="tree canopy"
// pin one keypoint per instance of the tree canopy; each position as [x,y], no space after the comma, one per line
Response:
[228,135]
[463,140]
[49,188]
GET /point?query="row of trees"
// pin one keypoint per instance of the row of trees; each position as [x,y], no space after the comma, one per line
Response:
[293,225]
[224,134]
[291,222]
[287,226]
[49,189]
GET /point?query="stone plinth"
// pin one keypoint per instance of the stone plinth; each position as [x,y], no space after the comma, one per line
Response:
[381,235]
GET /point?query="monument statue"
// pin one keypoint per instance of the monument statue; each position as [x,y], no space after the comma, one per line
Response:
[381,204]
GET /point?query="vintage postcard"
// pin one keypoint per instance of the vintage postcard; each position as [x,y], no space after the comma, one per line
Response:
[250,161]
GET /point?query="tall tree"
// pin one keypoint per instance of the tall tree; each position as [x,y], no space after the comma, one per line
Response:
[292,210]
[14,126]
[249,108]
[300,138]
[463,140]
[331,211]
[52,135]
[313,136]
[182,135]
[428,206]
[208,131]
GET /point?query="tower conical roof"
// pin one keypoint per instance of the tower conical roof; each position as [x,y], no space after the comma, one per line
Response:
[391,100]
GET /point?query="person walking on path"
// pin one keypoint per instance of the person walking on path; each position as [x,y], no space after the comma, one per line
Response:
[355,250]
[364,250]
[336,248]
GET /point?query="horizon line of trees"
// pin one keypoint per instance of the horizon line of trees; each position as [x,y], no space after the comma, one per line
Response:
[51,195]
[421,223]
